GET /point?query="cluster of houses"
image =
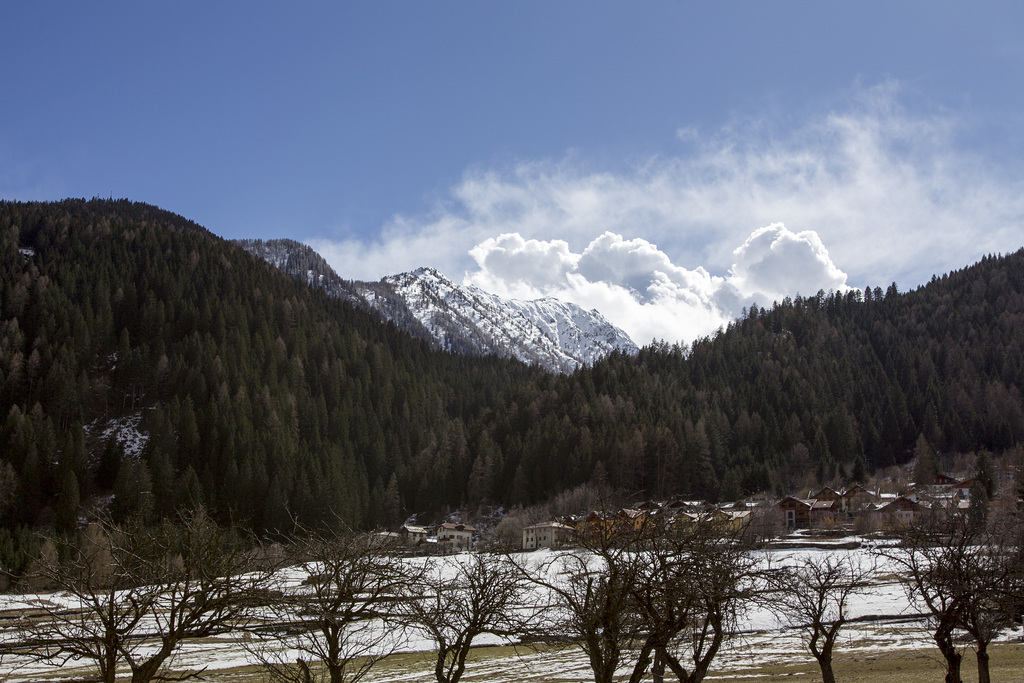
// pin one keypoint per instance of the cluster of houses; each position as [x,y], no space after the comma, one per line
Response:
[869,510]
[853,508]
[856,507]
[455,537]
[560,533]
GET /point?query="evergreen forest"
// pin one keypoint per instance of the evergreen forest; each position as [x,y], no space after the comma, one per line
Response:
[148,366]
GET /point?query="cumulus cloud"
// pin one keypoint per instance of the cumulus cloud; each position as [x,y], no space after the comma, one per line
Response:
[637,286]
[893,194]
[521,264]
[774,263]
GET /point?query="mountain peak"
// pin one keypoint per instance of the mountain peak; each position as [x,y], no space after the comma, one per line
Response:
[557,335]
[428,271]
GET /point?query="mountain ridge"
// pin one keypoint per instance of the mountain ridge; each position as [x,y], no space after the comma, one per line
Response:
[559,336]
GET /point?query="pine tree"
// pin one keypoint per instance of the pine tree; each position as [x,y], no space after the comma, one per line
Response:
[926,469]
[393,514]
[984,473]
[68,501]
[481,477]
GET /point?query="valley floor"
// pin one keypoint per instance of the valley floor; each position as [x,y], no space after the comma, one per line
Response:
[893,654]
[888,641]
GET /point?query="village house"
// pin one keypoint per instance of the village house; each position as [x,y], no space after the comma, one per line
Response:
[454,537]
[827,507]
[826,493]
[679,521]
[734,520]
[547,535]
[900,512]
[797,512]
[637,519]
[602,526]
[823,513]
[856,499]
[963,488]
[413,535]
[684,506]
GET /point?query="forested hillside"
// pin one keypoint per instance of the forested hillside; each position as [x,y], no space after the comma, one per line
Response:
[837,384]
[261,398]
[268,401]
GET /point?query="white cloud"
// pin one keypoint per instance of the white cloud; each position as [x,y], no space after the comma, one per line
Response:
[673,314]
[774,263]
[519,262]
[893,195]
[637,286]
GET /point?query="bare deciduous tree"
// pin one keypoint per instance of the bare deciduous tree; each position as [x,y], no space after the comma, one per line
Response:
[998,597]
[694,578]
[647,596]
[102,606]
[967,576]
[133,596]
[459,598]
[338,616]
[813,595]
[591,604]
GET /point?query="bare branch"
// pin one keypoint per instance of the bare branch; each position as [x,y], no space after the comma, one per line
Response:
[124,590]
[339,614]
[967,576]
[813,595]
[459,598]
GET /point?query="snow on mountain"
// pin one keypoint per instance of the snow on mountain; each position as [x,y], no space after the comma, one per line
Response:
[557,335]
[299,261]
[554,334]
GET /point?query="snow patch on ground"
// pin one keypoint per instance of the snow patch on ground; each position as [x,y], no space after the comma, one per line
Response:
[125,431]
[888,620]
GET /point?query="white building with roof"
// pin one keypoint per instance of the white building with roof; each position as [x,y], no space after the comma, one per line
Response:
[547,535]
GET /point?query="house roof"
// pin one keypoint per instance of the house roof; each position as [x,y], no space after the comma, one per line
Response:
[549,525]
[449,526]
[687,517]
[857,488]
[807,503]
[902,501]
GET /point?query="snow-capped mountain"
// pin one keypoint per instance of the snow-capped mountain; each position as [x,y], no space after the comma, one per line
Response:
[554,334]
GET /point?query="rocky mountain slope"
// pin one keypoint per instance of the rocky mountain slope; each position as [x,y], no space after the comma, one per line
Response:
[553,334]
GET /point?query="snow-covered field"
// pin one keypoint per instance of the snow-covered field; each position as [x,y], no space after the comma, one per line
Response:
[883,616]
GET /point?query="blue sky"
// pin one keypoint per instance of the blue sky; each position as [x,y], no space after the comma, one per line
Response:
[665,162]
